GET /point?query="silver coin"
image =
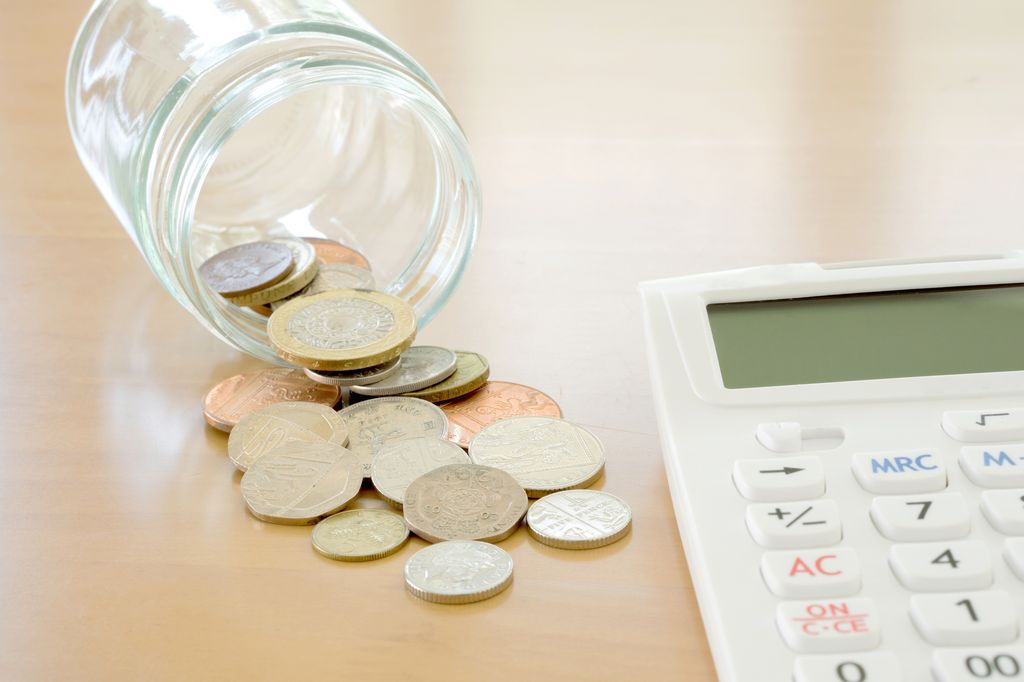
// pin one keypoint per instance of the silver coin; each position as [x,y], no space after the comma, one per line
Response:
[419,367]
[579,519]
[365,376]
[402,462]
[373,424]
[458,572]
[333,276]
[543,454]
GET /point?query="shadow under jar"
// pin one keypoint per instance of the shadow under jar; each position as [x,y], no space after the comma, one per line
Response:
[209,124]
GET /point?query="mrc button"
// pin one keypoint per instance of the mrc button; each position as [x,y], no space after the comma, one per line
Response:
[894,473]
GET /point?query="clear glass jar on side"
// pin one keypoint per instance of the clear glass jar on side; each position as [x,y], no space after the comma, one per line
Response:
[208,124]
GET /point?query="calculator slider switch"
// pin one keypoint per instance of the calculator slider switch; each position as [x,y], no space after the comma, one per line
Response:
[899,473]
[811,573]
[781,437]
[779,480]
[984,426]
[795,525]
[994,466]
[872,666]
[829,625]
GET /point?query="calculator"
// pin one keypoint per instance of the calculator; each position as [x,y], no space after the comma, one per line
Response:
[844,445]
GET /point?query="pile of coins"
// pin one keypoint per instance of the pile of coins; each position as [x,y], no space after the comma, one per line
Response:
[457,456]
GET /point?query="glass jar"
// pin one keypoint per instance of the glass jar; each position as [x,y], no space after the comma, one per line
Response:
[208,123]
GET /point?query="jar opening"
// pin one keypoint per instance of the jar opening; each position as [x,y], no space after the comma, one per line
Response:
[360,153]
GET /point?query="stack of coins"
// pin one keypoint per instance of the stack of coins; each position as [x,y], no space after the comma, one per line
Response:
[457,456]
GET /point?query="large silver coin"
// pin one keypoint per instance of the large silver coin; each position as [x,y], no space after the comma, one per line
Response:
[374,424]
[402,462]
[418,367]
[543,454]
[367,375]
[458,572]
[579,519]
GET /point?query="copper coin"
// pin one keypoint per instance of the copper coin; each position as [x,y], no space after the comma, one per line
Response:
[330,251]
[243,394]
[246,268]
[493,401]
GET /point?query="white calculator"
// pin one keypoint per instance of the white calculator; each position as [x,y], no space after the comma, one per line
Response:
[845,449]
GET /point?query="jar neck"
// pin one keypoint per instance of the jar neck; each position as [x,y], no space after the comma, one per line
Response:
[229,89]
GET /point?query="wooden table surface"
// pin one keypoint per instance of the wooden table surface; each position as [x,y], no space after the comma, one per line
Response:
[616,142]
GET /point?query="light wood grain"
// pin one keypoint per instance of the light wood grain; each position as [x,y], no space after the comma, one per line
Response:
[617,142]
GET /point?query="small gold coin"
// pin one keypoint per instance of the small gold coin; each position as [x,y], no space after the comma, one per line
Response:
[262,431]
[579,519]
[300,483]
[471,372]
[544,454]
[458,572]
[343,329]
[464,502]
[235,397]
[246,268]
[375,424]
[304,256]
[360,535]
[400,463]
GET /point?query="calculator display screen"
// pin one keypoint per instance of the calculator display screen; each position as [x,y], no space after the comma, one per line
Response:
[857,337]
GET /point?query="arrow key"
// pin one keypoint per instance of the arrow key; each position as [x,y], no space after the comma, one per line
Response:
[779,480]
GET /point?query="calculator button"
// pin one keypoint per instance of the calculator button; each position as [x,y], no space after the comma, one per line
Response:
[942,566]
[918,518]
[1004,509]
[809,573]
[1013,552]
[999,664]
[895,473]
[780,436]
[874,666]
[794,525]
[965,618]
[984,426]
[998,466]
[829,626]
[779,480]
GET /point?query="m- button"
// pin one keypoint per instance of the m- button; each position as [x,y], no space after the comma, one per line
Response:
[779,480]
[899,473]
[984,426]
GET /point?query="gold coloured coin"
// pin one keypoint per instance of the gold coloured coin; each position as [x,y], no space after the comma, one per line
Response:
[471,372]
[375,424]
[246,268]
[464,502]
[360,535]
[458,572]
[304,256]
[400,463]
[344,329]
[300,483]
[281,423]
[579,519]
[226,403]
[544,454]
